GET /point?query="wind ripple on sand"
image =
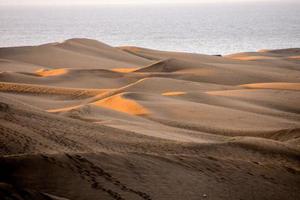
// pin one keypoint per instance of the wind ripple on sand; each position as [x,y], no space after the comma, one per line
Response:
[45,90]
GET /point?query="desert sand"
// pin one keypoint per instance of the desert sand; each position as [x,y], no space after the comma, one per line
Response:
[83,120]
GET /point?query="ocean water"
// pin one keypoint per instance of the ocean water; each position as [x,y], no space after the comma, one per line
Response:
[209,29]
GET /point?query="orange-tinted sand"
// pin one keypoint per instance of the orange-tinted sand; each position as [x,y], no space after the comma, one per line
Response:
[278,86]
[122,104]
[53,72]
[176,93]
[124,70]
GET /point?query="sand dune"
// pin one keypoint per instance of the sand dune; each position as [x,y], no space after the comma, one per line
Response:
[83,120]
[80,78]
[74,53]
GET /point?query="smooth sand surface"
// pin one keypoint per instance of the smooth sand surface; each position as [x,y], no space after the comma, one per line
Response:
[84,120]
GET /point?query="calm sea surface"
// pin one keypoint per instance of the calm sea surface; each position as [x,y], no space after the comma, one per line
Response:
[211,29]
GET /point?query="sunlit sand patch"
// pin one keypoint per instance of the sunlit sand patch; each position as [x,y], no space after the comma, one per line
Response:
[121,104]
[277,86]
[124,70]
[252,58]
[174,93]
[51,72]
[294,57]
